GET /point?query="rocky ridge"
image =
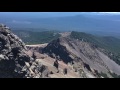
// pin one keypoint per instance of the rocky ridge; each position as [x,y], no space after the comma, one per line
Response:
[83,56]
[14,61]
[62,58]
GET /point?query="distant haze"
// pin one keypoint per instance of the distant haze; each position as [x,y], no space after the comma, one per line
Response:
[49,14]
[93,22]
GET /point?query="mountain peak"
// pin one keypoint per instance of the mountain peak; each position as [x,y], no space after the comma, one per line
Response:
[72,50]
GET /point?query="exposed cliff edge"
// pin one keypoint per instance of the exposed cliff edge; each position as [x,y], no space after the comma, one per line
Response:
[14,61]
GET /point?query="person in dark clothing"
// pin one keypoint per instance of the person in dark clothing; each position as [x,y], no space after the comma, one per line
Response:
[56,64]
[34,56]
[65,71]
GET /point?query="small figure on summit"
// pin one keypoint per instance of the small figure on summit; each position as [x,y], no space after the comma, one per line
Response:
[56,64]
[34,56]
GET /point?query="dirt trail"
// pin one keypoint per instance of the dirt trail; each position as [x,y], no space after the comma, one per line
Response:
[38,45]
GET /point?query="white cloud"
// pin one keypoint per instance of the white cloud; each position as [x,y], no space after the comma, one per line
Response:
[109,12]
[20,22]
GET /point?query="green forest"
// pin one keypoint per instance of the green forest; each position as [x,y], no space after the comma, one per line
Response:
[30,37]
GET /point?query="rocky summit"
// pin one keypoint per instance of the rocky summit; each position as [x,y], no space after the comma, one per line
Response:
[14,62]
[64,57]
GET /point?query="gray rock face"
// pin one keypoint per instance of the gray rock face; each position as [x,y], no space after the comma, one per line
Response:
[36,70]
[13,58]
[55,48]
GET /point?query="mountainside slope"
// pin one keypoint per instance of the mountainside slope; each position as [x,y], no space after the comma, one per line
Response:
[107,42]
[74,51]
[110,45]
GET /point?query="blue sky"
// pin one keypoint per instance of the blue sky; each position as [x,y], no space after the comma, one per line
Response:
[51,14]
[31,19]
[24,17]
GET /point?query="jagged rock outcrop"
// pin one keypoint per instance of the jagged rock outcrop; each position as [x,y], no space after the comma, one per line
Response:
[36,70]
[55,49]
[14,62]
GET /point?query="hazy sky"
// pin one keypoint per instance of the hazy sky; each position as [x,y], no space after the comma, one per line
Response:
[26,17]
[50,14]
[32,19]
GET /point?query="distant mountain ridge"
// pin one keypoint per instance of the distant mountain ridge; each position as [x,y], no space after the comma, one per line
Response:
[96,24]
[78,22]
